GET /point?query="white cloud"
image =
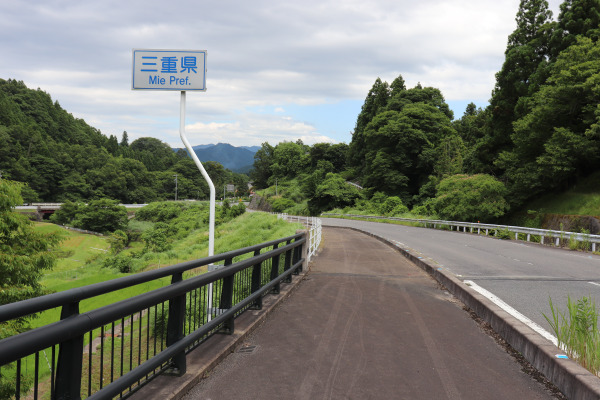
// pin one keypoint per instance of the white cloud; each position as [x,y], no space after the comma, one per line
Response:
[262,55]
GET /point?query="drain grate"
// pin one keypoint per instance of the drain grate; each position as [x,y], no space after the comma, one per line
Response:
[247,349]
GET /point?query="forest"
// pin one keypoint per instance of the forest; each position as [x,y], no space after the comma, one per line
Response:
[62,158]
[538,135]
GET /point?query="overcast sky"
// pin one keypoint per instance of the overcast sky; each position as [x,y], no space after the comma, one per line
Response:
[277,70]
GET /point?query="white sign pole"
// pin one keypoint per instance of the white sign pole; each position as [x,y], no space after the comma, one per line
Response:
[181,70]
[211,217]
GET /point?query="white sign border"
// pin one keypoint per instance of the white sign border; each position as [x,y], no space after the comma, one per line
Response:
[167,51]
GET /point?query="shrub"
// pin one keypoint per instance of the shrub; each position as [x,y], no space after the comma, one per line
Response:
[118,241]
[281,204]
[102,216]
[470,198]
[120,262]
[393,206]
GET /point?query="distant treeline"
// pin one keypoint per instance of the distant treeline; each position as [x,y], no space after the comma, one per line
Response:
[62,158]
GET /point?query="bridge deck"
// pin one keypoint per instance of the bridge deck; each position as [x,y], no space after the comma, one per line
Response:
[365,324]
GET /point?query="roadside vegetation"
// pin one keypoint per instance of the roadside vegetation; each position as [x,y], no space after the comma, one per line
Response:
[576,330]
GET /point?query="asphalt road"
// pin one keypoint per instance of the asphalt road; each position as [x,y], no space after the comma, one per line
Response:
[368,324]
[524,275]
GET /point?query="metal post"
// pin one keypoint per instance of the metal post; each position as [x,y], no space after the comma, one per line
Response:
[275,270]
[70,354]
[256,283]
[175,323]
[211,186]
[227,299]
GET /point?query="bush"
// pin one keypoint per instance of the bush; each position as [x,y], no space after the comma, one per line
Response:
[120,262]
[159,238]
[67,213]
[118,241]
[470,198]
[159,211]
[281,204]
[102,216]
[393,206]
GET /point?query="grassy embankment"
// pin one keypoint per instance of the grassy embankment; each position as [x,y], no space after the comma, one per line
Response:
[81,258]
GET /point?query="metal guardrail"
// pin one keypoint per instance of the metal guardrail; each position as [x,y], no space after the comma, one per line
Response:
[129,342]
[558,236]
[313,224]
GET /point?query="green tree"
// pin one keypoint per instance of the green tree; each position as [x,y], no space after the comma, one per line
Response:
[103,216]
[400,148]
[558,140]
[261,170]
[67,213]
[576,18]
[376,101]
[156,155]
[526,55]
[289,160]
[124,140]
[333,192]
[470,198]
[118,241]
[158,238]
[24,255]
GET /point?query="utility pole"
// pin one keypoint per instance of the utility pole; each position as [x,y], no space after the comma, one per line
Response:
[175,186]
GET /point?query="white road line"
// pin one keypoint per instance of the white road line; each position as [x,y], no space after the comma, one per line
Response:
[500,303]
[595,283]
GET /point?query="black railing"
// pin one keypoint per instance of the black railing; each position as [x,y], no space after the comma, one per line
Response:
[113,350]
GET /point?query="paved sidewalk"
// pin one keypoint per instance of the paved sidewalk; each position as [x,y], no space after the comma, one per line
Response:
[367,324]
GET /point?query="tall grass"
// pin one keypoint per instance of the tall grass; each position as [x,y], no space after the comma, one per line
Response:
[577,331]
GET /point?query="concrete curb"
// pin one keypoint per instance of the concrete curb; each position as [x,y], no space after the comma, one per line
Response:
[202,360]
[573,380]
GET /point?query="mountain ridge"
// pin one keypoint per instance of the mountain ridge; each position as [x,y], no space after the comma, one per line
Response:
[237,159]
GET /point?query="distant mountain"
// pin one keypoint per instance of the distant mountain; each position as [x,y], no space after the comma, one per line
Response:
[237,159]
[253,149]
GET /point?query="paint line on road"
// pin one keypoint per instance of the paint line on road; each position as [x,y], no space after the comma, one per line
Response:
[500,303]
[595,283]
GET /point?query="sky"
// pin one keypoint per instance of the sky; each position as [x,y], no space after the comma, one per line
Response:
[276,70]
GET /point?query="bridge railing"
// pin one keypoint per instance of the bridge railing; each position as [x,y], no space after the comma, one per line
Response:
[113,350]
[313,224]
[517,232]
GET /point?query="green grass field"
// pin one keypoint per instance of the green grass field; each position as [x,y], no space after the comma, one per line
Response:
[81,257]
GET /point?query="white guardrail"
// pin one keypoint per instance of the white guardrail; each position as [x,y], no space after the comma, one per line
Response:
[313,224]
[473,227]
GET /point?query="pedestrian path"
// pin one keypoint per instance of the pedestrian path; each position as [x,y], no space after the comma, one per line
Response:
[367,324]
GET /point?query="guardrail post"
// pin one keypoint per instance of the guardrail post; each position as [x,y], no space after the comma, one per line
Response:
[542,239]
[70,355]
[227,300]
[175,327]
[275,270]
[288,262]
[255,285]
[301,252]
